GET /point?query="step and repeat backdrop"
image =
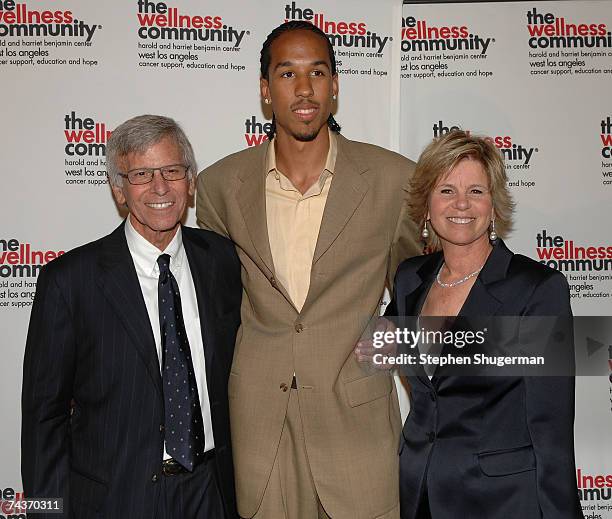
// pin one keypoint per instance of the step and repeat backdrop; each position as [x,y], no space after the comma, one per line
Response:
[534,76]
[73,70]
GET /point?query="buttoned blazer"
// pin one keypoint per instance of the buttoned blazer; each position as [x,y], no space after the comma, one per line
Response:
[92,398]
[489,446]
[350,417]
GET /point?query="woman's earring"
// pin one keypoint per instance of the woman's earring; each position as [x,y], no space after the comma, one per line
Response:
[267,101]
[492,233]
[425,231]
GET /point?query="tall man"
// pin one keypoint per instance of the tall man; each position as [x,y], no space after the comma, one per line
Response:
[125,407]
[319,224]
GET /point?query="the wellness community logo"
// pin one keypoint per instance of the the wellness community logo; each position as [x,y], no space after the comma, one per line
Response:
[419,35]
[565,255]
[606,150]
[19,19]
[606,138]
[594,487]
[549,31]
[517,155]
[350,34]
[12,504]
[21,260]
[84,136]
[85,149]
[255,131]
[160,21]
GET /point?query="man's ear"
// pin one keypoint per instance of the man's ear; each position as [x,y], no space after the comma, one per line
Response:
[118,194]
[264,88]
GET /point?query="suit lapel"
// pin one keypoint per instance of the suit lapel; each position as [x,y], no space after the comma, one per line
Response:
[251,198]
[482,301]
[252,202]
[417,287]
[346,193]
[119,283]
[482,298]
[200,262]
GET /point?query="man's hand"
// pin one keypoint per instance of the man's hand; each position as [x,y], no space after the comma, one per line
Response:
[374,350]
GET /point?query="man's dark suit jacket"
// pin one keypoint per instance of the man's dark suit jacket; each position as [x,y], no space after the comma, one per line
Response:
[489,447]
[92,402]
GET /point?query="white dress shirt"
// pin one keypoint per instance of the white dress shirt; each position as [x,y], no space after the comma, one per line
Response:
[145,257]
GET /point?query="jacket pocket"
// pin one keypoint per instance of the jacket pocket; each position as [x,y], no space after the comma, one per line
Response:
[507,461]
[367,389]
[87,491]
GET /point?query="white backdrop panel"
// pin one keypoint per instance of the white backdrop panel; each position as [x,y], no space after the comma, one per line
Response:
[68,82]
[545,102]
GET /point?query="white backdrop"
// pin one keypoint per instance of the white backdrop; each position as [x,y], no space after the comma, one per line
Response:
[116,59]
[543,100]
[70,76]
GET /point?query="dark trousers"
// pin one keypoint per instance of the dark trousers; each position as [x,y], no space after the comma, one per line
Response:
[192,495]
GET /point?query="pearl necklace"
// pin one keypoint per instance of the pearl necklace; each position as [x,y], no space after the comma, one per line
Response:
[455,283]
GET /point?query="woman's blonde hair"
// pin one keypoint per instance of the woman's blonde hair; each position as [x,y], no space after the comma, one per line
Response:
[439,158]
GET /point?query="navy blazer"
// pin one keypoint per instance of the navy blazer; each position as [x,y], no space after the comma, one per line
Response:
[489,447]
[92,398]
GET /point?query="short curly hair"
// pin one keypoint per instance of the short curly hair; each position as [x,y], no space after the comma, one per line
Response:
[439,158]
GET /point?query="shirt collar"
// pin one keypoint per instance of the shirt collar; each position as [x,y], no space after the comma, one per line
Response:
[330,162]
[145,254]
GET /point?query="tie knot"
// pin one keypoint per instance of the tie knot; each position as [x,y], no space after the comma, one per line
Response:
[163,262]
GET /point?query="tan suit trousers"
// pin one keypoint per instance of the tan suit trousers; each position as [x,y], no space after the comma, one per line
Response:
[291,492]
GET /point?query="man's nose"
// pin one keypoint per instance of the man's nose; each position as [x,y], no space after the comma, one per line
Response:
[159,184]
[303,87]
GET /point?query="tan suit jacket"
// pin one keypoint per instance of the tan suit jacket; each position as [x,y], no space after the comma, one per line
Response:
[350,416]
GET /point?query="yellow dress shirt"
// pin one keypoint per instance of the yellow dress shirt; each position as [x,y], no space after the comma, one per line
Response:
[293,221]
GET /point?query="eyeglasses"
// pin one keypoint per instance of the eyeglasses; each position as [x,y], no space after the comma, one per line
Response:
[141,176]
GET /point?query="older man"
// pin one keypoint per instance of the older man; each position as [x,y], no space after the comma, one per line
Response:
[125,408]
[319,223]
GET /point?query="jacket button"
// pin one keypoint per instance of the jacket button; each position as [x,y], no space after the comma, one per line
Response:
[299,327]
[431,436]
[273,282]
[154,478]
[432,395]
[284,387]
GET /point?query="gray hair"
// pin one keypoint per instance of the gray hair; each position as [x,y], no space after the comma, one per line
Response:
[137,135]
